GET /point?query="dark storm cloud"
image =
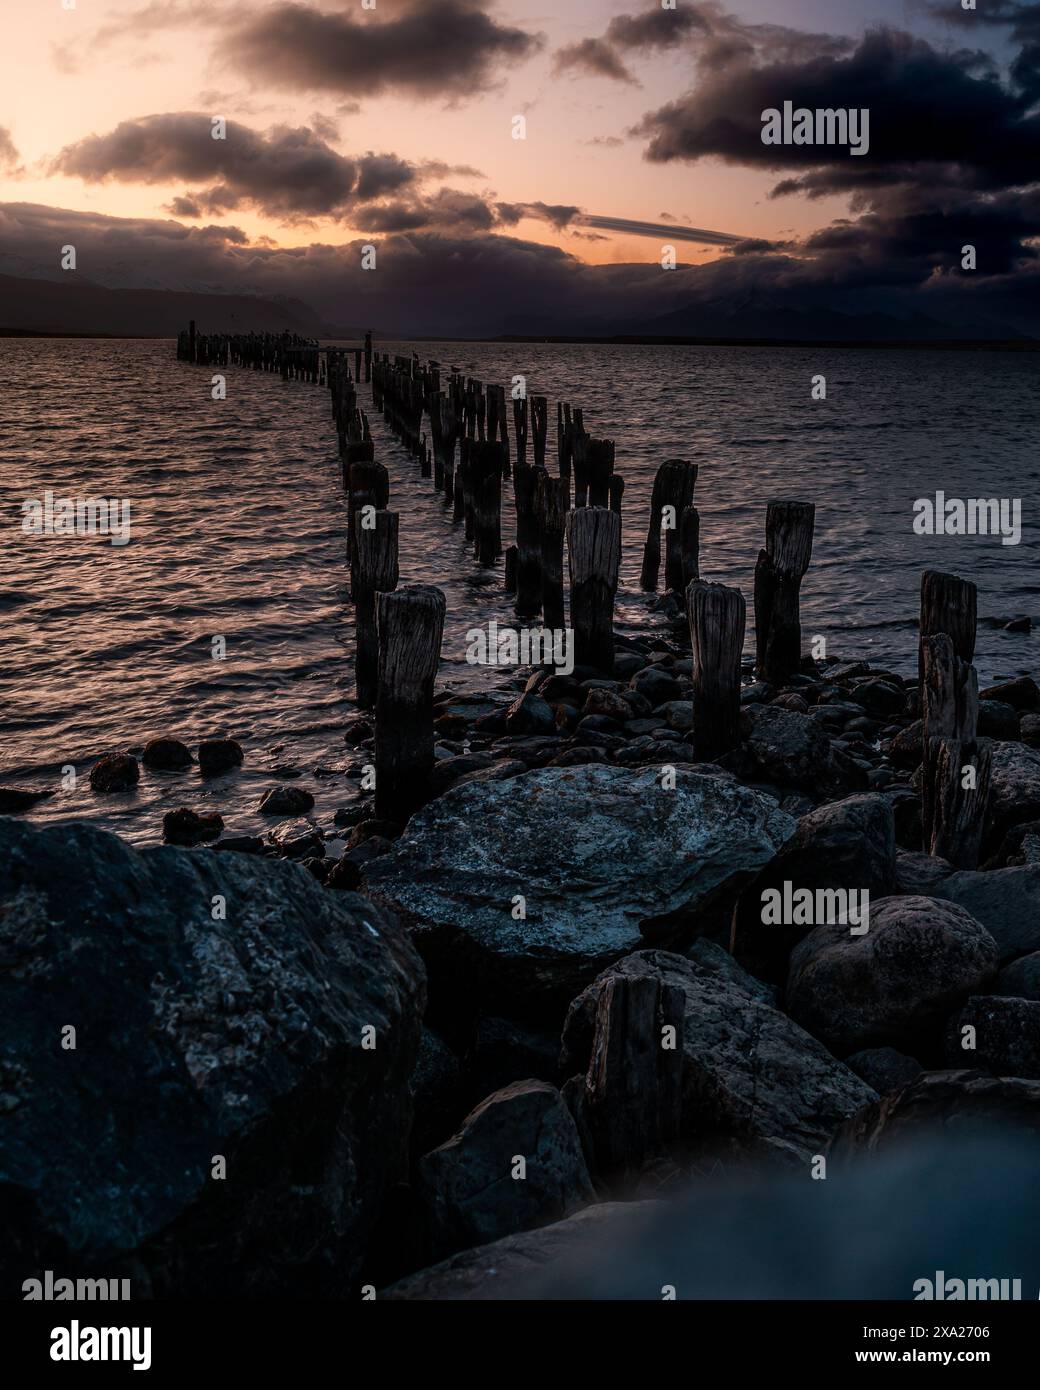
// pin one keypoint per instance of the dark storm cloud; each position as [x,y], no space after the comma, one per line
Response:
[289,173]
[592,56]
[447,208]
[1023,24]
[450,48]
[713,38]
[926,108]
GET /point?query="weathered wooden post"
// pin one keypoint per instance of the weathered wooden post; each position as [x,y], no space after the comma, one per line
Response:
[369,486]
[580,461]
[368,356]
[957,764]
[520,428]
[594,558]
[511,560]
[191,340]
[632,1102]
[599,464]
[673,488]
[486,485]
[539,428]
[410,626]
[717,617]
[376,573]
[778,580]
[528,540]
[551,510]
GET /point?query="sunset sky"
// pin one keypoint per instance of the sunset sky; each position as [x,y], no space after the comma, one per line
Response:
[393,125]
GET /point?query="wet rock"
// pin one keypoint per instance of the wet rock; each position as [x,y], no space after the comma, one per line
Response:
[508,1268]
[626,664]
[115,772]
[357,731]
[372,825]
[1020,979]
[286,801]
[294,842]
[363,854]
[499,771]
[655,685]
[1020,624]
[1023,693]
[792,750]
[15,800]
[530,715]
[952,1107]
[186,827]
[751,1077]
[997,720]
[790,699]
[469,1184]
[884,1069]
[1004,1037]
[195,1037]
[564,841]
[678,714]
[848,844]
[608,703]
[579,757]
[879,698]
[893,985]
[344,875]
[219,755]
[1005,901]
[166,755]
[756,693]
[241,844]
[1021,845]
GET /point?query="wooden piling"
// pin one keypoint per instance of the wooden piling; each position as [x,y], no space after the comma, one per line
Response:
[778,580]
[690,545]
[520,428]
[410,627]
[717,616]
[539,428]
[673,487]
[486,467]
[376,573]
[594,558]
[599,465]
[551,510]
[528,540]
[369,486]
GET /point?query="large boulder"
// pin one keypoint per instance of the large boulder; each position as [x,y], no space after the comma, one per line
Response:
[1014,788]
[793,750]
[955,1107]
[1004,1036]
[1020,979]
[1005,901]
[849,844]
[473,1187]
[596,857]
[894,984]
[752,1081]
[884,1069]
[220,1004]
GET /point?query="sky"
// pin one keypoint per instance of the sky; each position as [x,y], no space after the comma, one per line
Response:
[393,123]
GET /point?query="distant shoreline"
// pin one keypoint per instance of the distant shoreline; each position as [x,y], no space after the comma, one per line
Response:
[621,340]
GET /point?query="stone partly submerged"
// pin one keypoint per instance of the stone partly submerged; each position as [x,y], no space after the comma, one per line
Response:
[189,1095]
[522,891]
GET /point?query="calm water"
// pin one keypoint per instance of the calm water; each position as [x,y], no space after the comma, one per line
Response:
[237,531]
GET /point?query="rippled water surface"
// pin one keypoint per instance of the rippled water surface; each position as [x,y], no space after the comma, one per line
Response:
[237,531]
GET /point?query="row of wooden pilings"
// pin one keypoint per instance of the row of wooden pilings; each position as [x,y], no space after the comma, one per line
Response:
[399,630]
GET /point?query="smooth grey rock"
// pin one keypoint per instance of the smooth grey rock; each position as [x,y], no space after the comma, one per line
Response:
[468,1186]
[195,1037]
[600,854]
[752,1079]
[919,959]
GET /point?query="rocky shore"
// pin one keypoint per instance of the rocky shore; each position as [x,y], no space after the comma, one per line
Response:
[548,1002]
